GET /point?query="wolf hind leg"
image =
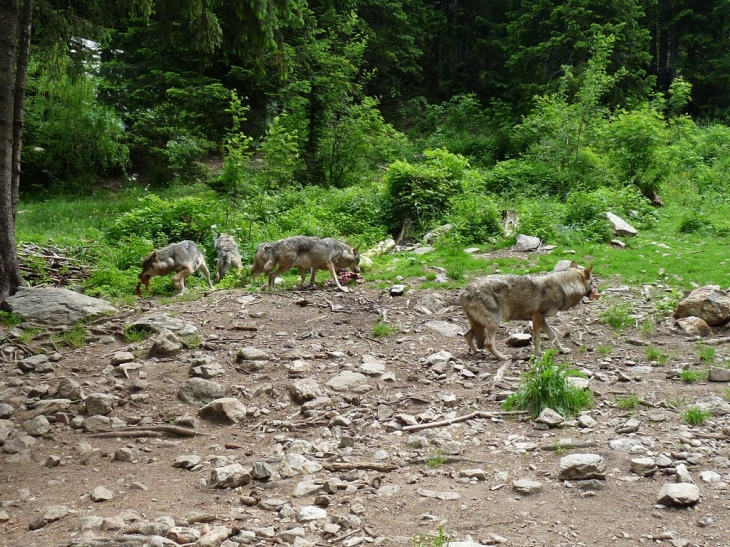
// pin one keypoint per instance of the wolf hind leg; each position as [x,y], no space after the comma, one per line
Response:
[178,280]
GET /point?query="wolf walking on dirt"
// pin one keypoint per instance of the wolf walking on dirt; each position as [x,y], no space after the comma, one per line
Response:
[489,300]
[310,254]
[228,256]
[183,258]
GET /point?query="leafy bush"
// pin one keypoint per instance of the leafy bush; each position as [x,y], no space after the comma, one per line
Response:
[540,218]
[696,416]
[167,221]
[476,217]
[519,177]
[545,386]
[421,192]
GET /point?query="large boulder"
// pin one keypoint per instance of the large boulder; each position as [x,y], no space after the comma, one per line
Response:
[709,303]
[51,306]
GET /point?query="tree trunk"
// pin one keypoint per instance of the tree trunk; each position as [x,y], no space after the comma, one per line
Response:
[9,272]
[21,80]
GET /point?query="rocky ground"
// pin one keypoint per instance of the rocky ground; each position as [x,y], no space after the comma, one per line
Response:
[326,434]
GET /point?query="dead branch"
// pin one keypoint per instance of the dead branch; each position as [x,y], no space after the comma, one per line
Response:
[347,466]
[477,414]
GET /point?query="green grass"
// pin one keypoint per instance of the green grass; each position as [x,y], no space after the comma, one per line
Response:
[74,337]
[695,416]
[436,459]
[381,329]
[439,539]
[706,353]
[135,334]
[726,394]
[605,351]
[617,316]
[545,386]
[28,334]
[10,320]
[691,376]
[653,354]
[676,402]
[627,402]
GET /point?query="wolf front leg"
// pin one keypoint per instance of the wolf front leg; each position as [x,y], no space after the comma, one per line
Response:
[552,336]
[333,272]
[178,280]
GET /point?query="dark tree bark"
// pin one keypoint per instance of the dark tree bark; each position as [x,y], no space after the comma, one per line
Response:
[10,278]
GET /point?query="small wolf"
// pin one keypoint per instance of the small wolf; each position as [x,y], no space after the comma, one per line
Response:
[228,256]
[183,258]
[495,298]
[311,253]
[264,253]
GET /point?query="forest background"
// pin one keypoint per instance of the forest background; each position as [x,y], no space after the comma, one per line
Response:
[363,118]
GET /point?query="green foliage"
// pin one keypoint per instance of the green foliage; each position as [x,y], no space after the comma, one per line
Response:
[166,221]
[706,353]
[617,316]
[653,354]
[545,386]
[437,459]
[692,376]
[421,192]
[74,337]
[604,351]
[69,139]
[135,334]
[382,329]
[695,415]
[475,215]
[9,319]
[439,539]
[628,402]
[522,177]
[29,334]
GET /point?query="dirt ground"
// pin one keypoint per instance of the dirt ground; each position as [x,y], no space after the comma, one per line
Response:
[418,488]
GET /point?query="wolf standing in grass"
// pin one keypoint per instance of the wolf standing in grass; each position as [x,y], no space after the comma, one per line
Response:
[311,253]
[183,258]
[489,300]
[228,256]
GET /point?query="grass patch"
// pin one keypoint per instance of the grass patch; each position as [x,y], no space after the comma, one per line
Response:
[74,337]
[605,351]
[29,334]
[676,402]
[706,353]
[193,341]
[726,394]
[135,334]
[653,354]
[9,320]
[692,376]
[381,329]
[439,539]
[617,316]
[627,402]
[695,416]
[436,459]
[545,386]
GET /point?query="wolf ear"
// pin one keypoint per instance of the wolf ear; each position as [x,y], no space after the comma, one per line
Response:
[587,271]
[355,250]
[573,264]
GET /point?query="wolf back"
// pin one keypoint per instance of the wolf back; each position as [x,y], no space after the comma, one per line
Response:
[184,258]
[228,256]
[488,301]
[311,253]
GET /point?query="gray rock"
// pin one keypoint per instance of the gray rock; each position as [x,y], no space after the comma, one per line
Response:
[346,380]
[715,406]
[434,234]
[527,486]
[397,290]
[586,421]
[103,424]
[644,467]
[371,366]
[620,226]
[6,411]
[49,514]
[304,390]
[37,426]
[310,513]
[526,244]
[296,464]
[711,477]
[518,340]
[187,461]
[99,404]
[262,471]
[683,474]
[49,407]
[229,476]
[100,494]
[709,303]
[30,364]
[206,368]
[18,444]
[678,494]
[227,410]
[125,455]
[478,474]
[582,466]
[69,389]
[121,357]
[433,302]
[626,444]
[51,306]
[214,538]
[251,354]
[629,426]
[161,322]
[298,368]
[718,374]
[549,417]
[444,328]
[694,326]
[165,344]
[200,391]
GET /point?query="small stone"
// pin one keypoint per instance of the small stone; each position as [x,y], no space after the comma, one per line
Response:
[100,494]
[678,494]
[526,486]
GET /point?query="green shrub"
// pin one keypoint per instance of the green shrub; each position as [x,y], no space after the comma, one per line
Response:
[476,217]
[617,316]
[545,386]
[519,177]
[540,218]
[421,192]
[168,221]
[695,416]
[627,402]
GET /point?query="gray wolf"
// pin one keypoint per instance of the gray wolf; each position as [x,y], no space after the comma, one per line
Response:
[264,253]
[489,300]
[311,253]
[183,258]
[228,256]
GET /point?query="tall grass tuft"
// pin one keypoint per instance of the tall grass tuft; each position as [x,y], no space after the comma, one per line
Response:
[545,386]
